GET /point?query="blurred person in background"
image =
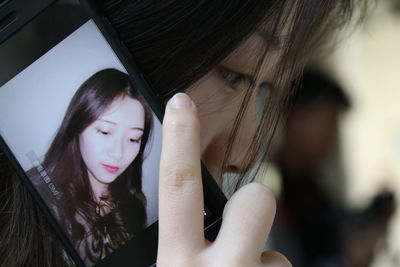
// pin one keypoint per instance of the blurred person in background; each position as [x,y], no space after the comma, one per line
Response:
[311,229]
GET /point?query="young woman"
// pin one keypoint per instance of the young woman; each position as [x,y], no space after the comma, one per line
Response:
[95,163]
[235,59]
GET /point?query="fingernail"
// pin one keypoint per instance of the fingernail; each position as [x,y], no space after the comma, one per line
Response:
[181,101]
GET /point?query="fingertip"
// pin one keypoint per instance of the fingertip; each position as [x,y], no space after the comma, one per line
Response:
[274,258]
[181,115]
[250,212]
[255,193]
[262,192]
[181,101]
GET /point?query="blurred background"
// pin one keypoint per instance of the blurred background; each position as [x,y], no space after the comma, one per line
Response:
[336,164]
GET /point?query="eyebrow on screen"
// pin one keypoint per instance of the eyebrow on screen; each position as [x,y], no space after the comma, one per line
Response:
[133,128]
[137,128]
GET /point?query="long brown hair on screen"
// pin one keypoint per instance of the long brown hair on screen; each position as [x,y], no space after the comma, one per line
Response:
[175,43]
[64,164]
[92,233]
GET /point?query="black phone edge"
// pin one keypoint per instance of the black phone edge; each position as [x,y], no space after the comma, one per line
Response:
[19,12]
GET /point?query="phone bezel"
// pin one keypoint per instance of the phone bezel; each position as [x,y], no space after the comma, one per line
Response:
[25,12]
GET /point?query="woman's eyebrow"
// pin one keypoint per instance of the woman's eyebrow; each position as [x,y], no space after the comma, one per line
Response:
[275,42]
[114,123]
[107,121]
[137,128]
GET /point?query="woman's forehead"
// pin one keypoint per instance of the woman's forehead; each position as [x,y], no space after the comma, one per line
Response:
[123,108]
[277,27]
[246,58]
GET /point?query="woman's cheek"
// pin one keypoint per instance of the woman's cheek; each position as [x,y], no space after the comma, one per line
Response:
[209,104]
[131,153]
[213,156]
[216,115]
[215,133]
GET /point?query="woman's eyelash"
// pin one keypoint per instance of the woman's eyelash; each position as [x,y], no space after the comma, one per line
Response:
[237,80]
[103,132]
[134,140]
[234,78]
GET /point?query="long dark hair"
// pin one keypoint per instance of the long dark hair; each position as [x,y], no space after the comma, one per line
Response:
[175,43]
[63,161]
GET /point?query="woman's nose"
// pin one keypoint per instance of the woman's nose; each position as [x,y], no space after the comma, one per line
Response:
[246,136]
[116,149]
[249,125]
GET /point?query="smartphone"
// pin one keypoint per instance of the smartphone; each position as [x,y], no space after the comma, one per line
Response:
[51,51]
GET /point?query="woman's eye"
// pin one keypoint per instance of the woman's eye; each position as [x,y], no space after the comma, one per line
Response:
[103,132]
[132,140]
[234,79]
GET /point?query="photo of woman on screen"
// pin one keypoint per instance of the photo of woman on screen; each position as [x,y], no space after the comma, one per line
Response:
[95,163]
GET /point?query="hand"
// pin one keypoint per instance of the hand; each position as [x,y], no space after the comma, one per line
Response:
[248,215]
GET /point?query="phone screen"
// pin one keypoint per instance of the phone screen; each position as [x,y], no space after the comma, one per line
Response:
[92,157]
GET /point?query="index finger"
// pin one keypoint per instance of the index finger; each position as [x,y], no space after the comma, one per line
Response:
[180,186]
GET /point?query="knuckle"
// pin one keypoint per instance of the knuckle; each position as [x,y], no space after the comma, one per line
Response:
[179,175]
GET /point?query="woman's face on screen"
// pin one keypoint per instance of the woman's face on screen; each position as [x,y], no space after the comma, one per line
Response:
[110,144]
[218,97]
